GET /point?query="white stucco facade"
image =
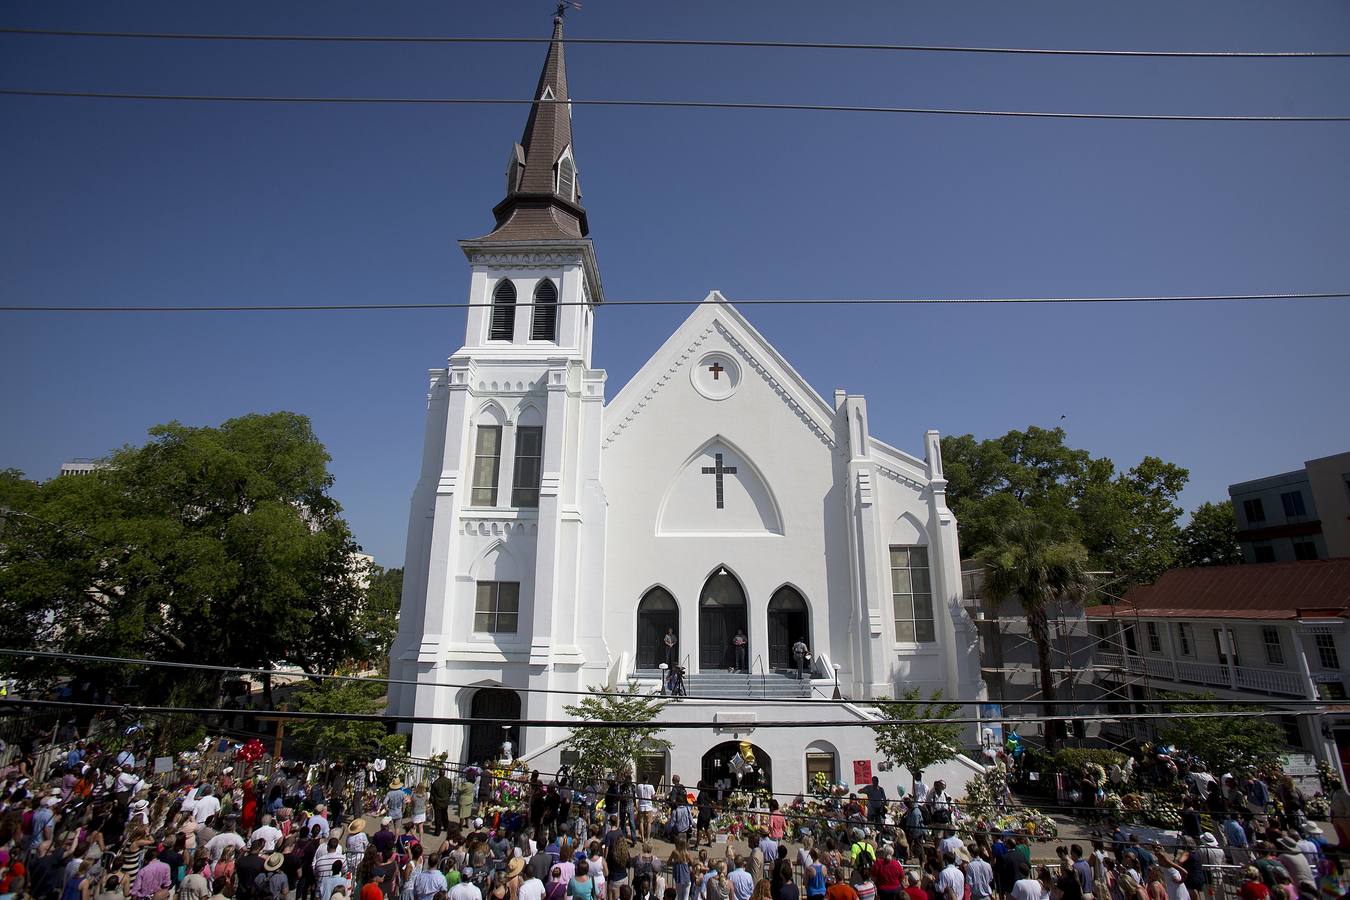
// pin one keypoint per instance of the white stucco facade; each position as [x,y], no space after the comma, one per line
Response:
[558,527]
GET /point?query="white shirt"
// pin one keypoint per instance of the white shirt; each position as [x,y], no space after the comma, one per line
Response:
[1026,889]
[267,834]
[531,889]
[205,808]
[951,882]
[1175,883]
[216,846]
[466,890]
[645,794]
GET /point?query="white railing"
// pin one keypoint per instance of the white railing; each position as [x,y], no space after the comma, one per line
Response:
[1271,681]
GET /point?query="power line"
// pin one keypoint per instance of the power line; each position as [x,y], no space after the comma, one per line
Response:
[682,42]
[595,723]
[670,104]
[786,301]
[794,701]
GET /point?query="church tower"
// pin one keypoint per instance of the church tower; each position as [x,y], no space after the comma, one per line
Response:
[506,530]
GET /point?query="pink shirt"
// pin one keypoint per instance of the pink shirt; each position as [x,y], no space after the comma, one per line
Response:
[152,878]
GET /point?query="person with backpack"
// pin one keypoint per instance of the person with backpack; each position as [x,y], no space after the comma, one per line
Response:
[271,883]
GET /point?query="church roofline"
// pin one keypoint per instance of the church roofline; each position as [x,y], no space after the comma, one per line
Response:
[649,377]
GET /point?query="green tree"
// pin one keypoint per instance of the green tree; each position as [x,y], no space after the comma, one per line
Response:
[1030,563]
[1210,538]
[906,740]
[605,751]
[379,617]
[1127,521]
[1237,742]
[207,545]
[320,737]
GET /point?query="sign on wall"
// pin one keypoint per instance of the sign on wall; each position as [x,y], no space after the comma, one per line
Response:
[862,771]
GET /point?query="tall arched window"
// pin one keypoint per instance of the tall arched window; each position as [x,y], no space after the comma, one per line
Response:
[567,177]
[544,325]
[503,311]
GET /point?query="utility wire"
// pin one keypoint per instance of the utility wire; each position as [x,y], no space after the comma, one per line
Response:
[793,701]
[668,104]
[790,301]
[595,723]
[679,42]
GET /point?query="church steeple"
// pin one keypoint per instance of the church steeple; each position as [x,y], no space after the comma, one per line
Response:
[543,197]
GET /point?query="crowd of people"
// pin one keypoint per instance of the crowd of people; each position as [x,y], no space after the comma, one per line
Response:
[103,825]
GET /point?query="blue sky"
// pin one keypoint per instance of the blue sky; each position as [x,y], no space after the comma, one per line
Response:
[156,203]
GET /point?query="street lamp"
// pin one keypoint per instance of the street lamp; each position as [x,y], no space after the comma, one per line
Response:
[837,695]
[663,667]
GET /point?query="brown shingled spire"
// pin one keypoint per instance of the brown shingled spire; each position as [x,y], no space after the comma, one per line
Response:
[542,195]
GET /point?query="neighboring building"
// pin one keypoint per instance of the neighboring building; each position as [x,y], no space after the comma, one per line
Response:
[1274,633]
[1300,515]
[80,467]
[1009,664]
[554,538]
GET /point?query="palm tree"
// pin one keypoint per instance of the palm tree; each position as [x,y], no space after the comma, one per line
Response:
[1030,562]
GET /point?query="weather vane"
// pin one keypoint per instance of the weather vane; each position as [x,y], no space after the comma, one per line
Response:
[564,6]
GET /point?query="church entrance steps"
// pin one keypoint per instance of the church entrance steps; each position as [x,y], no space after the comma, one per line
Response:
[771,685]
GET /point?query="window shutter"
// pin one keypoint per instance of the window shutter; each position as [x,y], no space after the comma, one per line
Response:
[544,325]
[566,178]
[503,312]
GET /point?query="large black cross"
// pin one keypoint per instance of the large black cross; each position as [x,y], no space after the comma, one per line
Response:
[719,470]
[717,370]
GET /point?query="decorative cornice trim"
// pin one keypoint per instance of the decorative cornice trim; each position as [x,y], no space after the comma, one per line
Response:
[657,385]
[907,480]
[526,259]
[778,388]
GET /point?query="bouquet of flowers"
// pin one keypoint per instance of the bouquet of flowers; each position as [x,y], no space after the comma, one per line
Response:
[250,752]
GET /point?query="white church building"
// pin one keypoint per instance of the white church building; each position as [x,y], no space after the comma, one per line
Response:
[559,530]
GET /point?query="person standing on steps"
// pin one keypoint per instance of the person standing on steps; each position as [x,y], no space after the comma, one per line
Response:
[738,645]
[670,642]
[802,655]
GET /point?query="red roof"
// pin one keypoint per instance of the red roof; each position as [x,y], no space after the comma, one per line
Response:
[1289,590]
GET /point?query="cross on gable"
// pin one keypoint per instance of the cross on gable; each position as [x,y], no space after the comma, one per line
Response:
[719,470]
[716,370]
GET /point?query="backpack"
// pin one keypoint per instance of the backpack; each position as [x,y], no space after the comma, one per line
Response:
[265,887]
[618,853]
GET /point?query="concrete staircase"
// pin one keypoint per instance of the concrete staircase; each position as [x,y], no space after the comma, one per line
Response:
[771,685]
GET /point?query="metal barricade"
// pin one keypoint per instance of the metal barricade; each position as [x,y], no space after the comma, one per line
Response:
[1222,882]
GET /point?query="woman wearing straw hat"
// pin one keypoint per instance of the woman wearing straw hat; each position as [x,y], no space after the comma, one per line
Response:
[272,884]
[357,843]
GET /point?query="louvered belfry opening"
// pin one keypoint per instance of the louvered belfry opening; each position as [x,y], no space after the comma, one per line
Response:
[544,325]
[566,179]
[503,311]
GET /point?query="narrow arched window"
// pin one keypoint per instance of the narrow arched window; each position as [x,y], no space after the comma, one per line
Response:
[503,311]
[544,325]
[567,176]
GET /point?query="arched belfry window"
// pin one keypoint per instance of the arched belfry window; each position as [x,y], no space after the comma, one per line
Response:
[567,177]
[544,325]
[503,311]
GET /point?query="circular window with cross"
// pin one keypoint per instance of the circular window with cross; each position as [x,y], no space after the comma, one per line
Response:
[716,376]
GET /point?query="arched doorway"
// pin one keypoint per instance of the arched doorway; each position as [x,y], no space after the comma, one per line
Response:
[789,622]
[657,613]
[721,614]
[719,772]
[485,740]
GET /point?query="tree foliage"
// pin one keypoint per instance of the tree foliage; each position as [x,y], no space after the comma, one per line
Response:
[1237,742]
[602,752]
[1029,562]
[1126,520]
[907,741]
[1210,538]
[379,617]
[318,738]
[207,545]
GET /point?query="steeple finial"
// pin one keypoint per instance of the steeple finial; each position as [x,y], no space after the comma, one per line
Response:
[543,197]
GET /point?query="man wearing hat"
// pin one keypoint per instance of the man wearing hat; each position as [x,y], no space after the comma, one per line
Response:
[320,818]
[1296,864]
[272,884]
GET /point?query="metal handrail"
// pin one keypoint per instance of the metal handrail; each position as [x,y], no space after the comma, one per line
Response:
[750,673]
